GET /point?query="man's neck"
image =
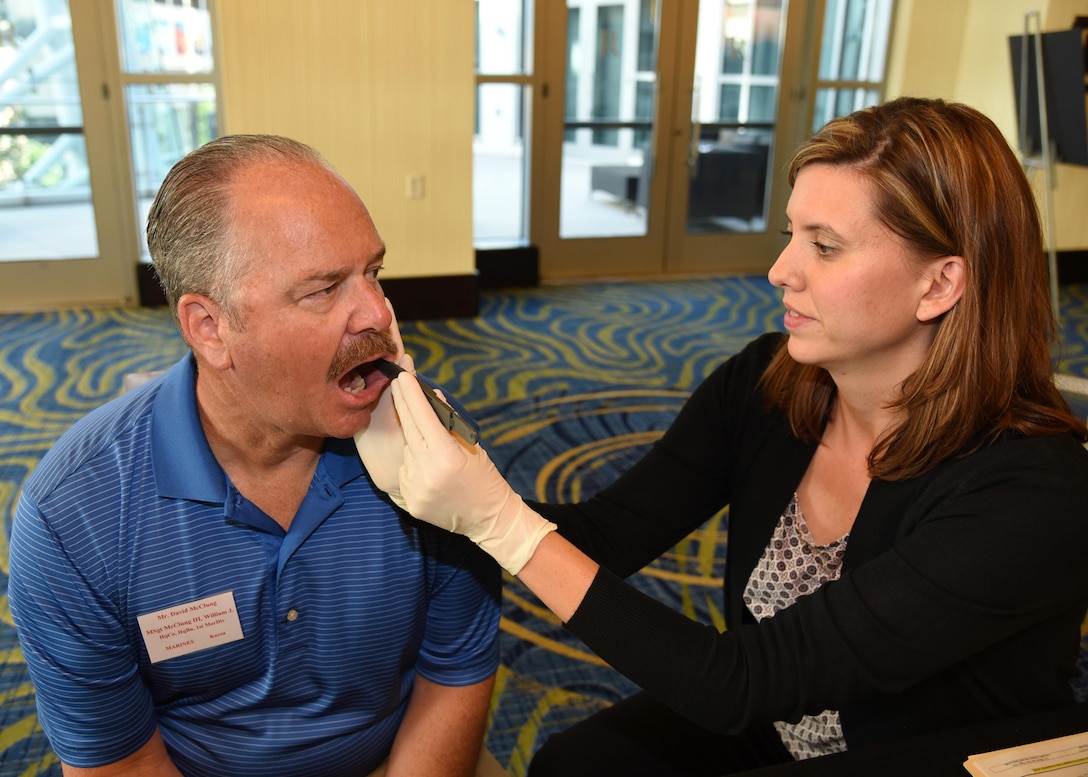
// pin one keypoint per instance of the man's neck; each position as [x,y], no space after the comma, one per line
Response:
[271,468]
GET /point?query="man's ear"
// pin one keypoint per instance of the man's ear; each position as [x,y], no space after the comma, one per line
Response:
[946,279]
[203,325]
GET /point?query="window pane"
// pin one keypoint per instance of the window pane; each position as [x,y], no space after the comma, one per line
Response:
[607,160]
[500,175]
[730,103]
[46,209]
[767,43]
[728,170]
[855,40]
[763,103]
[166,122]
[574,68]
[605,190]
[45,198]
[501,37]
[850,66]
[831,102]
[728,188]
[644,109]
[831,41]
[165,37]
[609,66]
[43,167]
[647,36]
[737,32]
[743,40]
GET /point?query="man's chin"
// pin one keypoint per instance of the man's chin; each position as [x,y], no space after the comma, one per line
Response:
[353,425]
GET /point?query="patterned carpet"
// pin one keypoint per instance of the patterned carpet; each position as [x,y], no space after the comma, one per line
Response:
[570,384]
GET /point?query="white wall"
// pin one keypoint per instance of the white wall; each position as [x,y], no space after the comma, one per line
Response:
[959,50]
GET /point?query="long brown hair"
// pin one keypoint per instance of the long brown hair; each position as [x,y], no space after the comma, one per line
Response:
[945,180]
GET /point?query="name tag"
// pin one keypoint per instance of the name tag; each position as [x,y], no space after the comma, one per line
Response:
[187,628]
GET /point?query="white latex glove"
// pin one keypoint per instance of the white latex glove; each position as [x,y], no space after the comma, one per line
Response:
[450,484]
[381,442]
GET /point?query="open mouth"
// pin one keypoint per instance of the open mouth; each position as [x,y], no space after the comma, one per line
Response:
[355,368]
[366,375]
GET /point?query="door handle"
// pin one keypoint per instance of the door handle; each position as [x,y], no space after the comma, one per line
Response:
[693,149]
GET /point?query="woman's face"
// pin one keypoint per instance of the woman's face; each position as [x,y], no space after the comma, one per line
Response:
[852,294]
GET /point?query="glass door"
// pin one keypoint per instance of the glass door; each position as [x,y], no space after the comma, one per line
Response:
[502,140]
[97,102]
[766,75]
[667,126]
[57,249]
[727,211]
[168,79]
[598,198]
[662,148]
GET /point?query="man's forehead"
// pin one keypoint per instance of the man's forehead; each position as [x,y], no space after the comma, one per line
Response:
[285,178]
[274,193]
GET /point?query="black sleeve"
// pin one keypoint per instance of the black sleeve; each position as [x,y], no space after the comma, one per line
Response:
[681,482]
[988,564]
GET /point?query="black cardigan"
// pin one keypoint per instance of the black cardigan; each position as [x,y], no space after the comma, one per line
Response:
[961,596]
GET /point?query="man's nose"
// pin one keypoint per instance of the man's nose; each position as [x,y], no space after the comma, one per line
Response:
[370,312]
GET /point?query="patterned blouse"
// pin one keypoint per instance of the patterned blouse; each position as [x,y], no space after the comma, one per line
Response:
[792,566]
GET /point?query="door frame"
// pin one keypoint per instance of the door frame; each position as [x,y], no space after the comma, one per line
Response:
[567,258]
[666,250]
[741,252]
[110,277]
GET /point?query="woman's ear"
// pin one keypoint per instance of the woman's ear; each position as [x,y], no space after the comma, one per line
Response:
[946,279]
[202,325]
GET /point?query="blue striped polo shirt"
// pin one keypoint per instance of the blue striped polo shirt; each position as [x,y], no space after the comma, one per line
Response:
[129,526]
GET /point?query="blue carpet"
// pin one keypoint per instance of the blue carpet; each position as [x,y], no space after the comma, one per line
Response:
[570,385]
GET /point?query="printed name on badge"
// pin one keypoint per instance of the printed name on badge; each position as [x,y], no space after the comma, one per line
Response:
[186,628]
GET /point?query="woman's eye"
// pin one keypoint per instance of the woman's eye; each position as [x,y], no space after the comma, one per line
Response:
[821,249]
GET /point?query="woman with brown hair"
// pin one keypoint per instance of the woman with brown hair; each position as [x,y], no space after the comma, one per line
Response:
[907,529]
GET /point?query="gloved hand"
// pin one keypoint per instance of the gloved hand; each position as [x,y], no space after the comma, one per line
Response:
[450,484]
[381,442]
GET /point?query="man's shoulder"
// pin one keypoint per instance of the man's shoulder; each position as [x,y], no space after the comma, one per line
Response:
[112,436]
[115,437]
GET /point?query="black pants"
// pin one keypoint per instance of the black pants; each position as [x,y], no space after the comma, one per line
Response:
[641,736]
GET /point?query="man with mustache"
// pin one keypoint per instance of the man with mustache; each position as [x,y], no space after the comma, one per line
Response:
[204,577]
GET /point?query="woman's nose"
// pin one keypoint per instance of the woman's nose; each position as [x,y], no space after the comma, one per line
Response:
[779,272]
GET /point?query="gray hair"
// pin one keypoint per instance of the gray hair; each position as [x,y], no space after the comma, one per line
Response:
[189,228]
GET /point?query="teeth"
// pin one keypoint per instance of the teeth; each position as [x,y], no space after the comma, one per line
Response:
[356,383]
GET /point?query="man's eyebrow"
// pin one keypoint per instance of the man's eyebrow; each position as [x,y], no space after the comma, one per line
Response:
[341,272]
[379,255]
[325,277]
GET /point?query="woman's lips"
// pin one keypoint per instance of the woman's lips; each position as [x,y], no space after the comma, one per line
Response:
[792,319]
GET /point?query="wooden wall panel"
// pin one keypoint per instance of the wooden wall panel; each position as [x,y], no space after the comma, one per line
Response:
[384,89]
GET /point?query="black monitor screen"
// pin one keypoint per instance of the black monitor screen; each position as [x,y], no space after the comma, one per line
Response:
[1063,71]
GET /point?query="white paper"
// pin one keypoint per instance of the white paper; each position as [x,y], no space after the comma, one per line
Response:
[190,627]
[1061,757]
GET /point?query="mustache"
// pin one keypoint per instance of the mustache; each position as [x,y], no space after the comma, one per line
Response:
[362,349]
